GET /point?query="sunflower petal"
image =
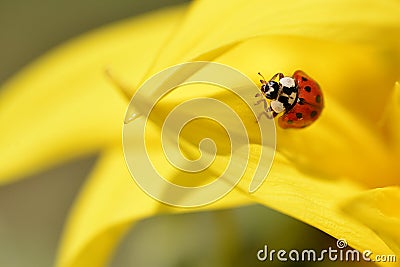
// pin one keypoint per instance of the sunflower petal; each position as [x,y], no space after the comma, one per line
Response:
[219,24]
[108,205]
[326,148]
[111,202]
[63,105]
[379,210]
[314,200]
[389,120]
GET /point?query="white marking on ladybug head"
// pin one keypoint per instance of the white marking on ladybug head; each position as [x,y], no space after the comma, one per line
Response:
[287,82]
[277,106]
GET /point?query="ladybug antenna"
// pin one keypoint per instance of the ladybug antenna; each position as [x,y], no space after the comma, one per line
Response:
[263,79]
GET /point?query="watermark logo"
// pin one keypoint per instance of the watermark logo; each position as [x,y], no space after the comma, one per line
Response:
[341,243]
[339,253]
[150,114]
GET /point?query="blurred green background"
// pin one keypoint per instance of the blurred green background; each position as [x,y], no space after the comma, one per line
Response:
[33,211]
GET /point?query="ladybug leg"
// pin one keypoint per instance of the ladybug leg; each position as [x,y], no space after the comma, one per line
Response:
[267,109]
[261,100]
[267,114]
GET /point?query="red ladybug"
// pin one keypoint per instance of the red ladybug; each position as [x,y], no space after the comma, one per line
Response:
[299,98]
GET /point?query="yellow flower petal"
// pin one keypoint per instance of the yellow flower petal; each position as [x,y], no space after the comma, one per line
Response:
[356,61]
[314,200]
[303,194]
[287,189]
[63,105]
[326,147]
[318,203]
[222,23]
[388,124]
[359,78]
[109,203]
[379,210]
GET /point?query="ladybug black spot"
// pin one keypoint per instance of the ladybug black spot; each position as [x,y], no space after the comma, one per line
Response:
[304,79]
[318,99]
[289,121]
[313,114]
[299,115]
[307,88]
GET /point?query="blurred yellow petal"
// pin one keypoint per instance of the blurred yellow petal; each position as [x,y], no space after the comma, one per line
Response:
[99,217]
[63,105]
[108,204]
[390,118]
[309,197]
[318,203]
[222,23]
[379,210]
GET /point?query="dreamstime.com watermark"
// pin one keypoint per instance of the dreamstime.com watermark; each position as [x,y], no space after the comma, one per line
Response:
[339,253]
[189,77]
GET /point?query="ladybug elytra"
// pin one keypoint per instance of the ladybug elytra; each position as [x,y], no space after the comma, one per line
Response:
[298,98]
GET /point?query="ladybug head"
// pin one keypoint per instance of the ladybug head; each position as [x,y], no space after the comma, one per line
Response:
[270,90]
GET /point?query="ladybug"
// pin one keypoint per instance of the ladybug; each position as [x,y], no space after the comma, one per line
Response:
[299,98]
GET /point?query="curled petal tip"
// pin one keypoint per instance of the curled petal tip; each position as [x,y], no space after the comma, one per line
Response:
[133,117]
